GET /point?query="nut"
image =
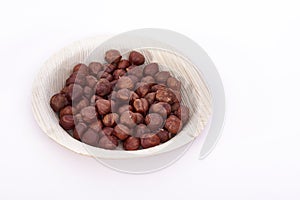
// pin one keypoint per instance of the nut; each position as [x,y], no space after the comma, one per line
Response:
[58,101]
[141,106]
[84,102]
[82,68]
[108,142]
[89,114]
[96,126]
[107,131]
[68,110]
[79,130]
[154,121]
[148,79]
[77,78]
[173,124]
[162,76]
[163,135]
[110,119]
[173,83]
[118,73]
[136,71]
[154,88]
[128,118]
[151,69]
[165,95]
[73,92]
[103,106]
[95,68]
[162,108]
[149,140]
[139,118]
[121,131]
[125,82]
[91,81]
[142,89]
[136,58]
[124,108]
[90,137]
[67,122]
[150,97]
[183,113]
[123,64]
[140,130]
[113,56]
[105,75]
[103,87]
[88,92]
[123,94]
[131,143]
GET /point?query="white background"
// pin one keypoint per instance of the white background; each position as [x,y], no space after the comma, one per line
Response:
[255,46]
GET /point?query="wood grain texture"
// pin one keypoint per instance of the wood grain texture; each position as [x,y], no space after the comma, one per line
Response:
[52,76]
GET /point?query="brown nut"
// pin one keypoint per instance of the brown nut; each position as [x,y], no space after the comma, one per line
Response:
[123,64]
[141,106]
[136,58]
[96,126]
[175,106]
[183,113]
[89,114]
[139,118]
[58,101]
[68,110]
[140,130]
[91,81]
[154,121]
[88,92]
[173,124]
[151,69]
[163,135]
[125,82]
[162,76]
[103,87]
[133,78]
[165,95]
[133,97]
[149,140]
[173,83]
[128,118]
[108,142]
[121,131]
[118,73]
[95,68]
[78,118]
[148,79]
[105,75]
[150,97]
[131,143]
[90,137]
[107,131]
[103,106]
[73,92]
[113,56]
[77,78]
[82,68]
[154,88]
[110,119]
[124,108]
[84,102]
[79,130]
[142,89]
[162,108]
[136,71]
[109,68]
[123,94]
[177,95]
[67,122]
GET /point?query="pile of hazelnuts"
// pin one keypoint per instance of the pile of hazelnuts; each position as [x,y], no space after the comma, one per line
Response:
[123,102]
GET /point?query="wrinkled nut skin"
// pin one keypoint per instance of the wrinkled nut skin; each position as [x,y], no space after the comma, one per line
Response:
[163,135]
[68,110]
[96,126]
[91,81]
[136,58]
[162,76]
[103,106]
[173,124]
[140,130]
[150,97]
[95,68]
[82,68]
[125,82]
[124,108]
[89,114]
[131,143]
[128,118]
[154,121]
[183,113]
[123,64]
[108,142]
[149,140]
[165,95]
[173,83]
[151,69]
[121,131]
[123,94]
[119,73]
[142,90]
[113,56]
[162,108]
[141,106]
[90,137]
[79,130]
[110,119]
[58,101]
[103,87]
[67,122]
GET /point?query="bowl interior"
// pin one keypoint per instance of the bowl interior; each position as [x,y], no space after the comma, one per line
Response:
[51,79]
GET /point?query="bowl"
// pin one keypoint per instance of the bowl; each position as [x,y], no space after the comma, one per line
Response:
[51,78]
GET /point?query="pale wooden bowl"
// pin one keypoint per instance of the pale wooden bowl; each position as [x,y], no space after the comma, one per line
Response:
[52,76]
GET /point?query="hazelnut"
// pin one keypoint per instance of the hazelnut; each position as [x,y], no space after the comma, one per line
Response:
[124,108]
[140,130]
[91,81]
[89,114]
[150,97]
[96,126]
[163,135]
[128,118]
[139,118]
[103,106]
[135,71]
[75,78]
[90,137]
[121,131]
[154,121]
[154,88]
[149,140]
[162,108]
[123,64]
[79,130]
[110,119]
[131,143]
[82,68]
[74,91]
[165,95]
[173,124]
[183,113]
[151,69]
[148,79]
[84,102]
[113,56]
[103,87]
[133,97]
[68,110]
[125,82]
[123,94]
[173,83]
[136,58]
[67,122]
[141,105]
[175,106]
[133,78]
[78,118]
[108,142]
[109,68]
[88,92]
[118,73]
[142,89]
[58,101]
[162,76]
[107,130]
[95,68]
